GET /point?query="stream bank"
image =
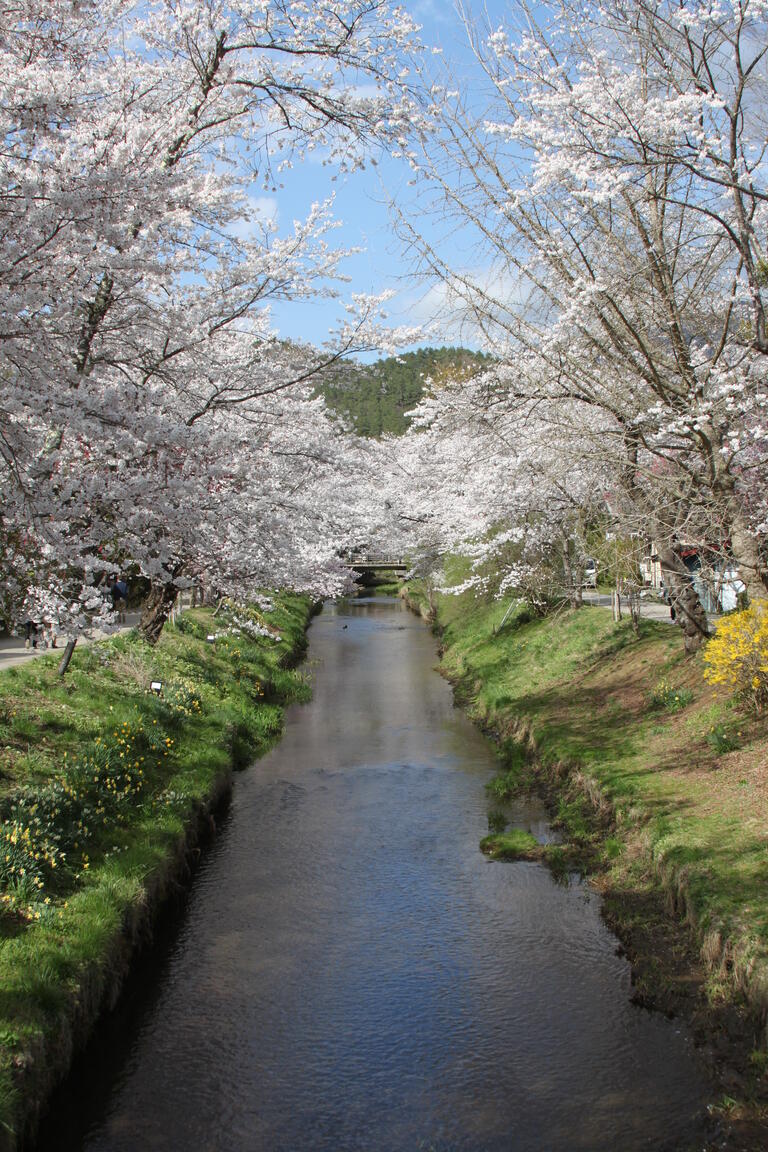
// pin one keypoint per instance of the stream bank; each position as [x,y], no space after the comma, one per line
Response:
[109,790]
[662,806]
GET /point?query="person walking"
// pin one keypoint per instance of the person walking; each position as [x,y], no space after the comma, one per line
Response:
[118,591]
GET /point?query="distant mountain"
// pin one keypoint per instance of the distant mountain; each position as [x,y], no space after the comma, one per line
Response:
[375,399]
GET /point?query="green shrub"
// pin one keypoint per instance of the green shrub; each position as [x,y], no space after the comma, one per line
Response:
[737,655]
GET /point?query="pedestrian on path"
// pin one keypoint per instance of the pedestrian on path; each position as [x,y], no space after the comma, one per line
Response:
[667,599]
[118,591]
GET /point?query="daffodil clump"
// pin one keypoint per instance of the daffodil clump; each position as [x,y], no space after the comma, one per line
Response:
[50,831]
[235,655]
[238,653]
[182,697]
[736,658]
[26,863]
[670,698]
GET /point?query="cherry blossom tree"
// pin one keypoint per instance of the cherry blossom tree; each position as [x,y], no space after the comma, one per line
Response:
[137,356]
[503,487]
[612,166]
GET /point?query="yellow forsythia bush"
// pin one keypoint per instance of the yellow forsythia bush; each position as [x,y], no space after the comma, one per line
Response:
[737,655]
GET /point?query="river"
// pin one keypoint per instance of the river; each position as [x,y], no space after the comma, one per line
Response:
[351,974]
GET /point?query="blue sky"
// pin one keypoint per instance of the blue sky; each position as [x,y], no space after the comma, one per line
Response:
[360,203]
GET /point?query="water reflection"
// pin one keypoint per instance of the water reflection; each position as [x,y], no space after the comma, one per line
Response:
[353,974]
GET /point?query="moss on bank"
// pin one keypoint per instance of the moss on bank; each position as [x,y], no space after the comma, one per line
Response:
[105,786]
[654,778]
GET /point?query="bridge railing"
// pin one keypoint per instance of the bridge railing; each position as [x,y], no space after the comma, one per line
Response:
[372,561]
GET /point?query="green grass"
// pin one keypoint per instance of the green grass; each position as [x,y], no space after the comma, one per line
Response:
[386,587]
[99,780]
[497,820]
[515,844]
[627,730]
[505,784]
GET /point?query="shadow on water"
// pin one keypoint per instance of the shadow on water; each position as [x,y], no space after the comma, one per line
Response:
[350,973]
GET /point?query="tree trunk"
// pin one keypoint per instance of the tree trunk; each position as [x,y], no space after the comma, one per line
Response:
[156,610]
[683,597]
[748,561]
[572,586]
[633,599]
[752,566]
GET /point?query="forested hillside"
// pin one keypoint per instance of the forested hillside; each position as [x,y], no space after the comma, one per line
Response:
[376,398]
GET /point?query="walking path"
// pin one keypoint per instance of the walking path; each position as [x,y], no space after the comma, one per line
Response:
[649,609]
[12,650]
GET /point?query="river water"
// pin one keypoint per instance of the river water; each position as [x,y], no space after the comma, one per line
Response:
[353,975]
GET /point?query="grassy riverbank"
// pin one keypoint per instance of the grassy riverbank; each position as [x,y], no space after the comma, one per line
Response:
[105,786]
[657,781]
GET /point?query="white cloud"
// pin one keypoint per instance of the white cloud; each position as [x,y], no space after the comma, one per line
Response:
[445,310]
[260,210]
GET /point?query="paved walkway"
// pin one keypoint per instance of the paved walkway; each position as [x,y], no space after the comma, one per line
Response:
[650,609]
[12,650]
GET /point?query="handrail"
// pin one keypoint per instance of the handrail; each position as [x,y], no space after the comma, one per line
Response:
[355,560]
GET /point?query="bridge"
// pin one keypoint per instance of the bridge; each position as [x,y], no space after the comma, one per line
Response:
[377,564]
